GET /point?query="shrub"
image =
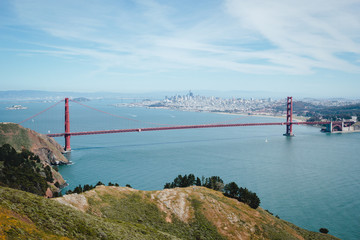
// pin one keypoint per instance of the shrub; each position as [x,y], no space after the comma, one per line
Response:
[249,198]
[323,230]
[231,190]
[214,182]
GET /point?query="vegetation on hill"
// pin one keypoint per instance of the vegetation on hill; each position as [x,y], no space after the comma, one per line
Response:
[231,190]
[23,171]
[14,135]
[27,216]
[47,149]
[18,137]
[87,187]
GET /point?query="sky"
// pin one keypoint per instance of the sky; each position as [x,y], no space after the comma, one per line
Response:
[302,48]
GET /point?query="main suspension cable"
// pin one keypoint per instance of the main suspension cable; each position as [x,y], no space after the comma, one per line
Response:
[41,112]
[114,115]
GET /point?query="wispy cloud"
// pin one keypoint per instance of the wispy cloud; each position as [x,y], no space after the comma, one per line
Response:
[256,37]
[305,34]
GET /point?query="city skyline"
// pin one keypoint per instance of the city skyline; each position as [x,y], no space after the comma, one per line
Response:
[299,48]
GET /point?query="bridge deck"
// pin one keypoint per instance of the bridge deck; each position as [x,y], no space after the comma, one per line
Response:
[181,127]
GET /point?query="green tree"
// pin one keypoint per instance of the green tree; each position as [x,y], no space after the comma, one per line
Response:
[48,173]
[248,198]
[78,189]
[20,172]
[198,182]
[99,183]
[214,182]
[231,190]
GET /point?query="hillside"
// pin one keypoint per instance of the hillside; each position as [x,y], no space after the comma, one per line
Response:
[48,150]
[125,213]
[187,213]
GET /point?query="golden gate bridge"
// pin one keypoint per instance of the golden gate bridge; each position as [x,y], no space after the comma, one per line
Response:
[332,126]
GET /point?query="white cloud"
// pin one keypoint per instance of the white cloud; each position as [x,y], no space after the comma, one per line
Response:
[258,37]
[306,34]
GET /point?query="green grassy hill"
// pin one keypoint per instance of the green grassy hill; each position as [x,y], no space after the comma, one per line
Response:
[125,213]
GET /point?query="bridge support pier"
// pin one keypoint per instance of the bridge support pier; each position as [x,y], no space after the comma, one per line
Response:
[289,113]
[67,147]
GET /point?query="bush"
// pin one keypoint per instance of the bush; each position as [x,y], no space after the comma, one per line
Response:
[48,173]
[182,181]
[249,198]
[323,230]
[214,182]
[231,190]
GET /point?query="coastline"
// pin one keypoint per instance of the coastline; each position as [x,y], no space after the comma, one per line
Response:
[296,118]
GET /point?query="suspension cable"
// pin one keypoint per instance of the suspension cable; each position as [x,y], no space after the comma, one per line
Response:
[41,112]
[114,115]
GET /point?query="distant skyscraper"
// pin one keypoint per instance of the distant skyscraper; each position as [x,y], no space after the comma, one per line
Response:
[191,94]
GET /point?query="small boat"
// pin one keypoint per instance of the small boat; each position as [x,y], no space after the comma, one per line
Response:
[266,140]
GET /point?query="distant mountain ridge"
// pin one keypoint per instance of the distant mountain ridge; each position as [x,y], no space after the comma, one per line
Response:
[35,94]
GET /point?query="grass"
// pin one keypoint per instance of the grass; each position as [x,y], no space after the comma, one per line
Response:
[137,209]
[14,135]
[120,213]
[53,218]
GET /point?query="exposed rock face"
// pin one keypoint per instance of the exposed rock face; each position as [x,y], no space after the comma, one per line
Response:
[48,150]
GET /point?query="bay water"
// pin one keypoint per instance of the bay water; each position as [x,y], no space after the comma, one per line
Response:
[311,180]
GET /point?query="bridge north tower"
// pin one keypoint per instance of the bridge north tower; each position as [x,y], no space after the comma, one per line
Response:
[289,113]
[67,126]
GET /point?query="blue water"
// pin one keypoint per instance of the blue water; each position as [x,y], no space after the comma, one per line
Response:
[311,180]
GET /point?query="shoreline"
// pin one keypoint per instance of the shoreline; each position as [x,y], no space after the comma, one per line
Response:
[297,118]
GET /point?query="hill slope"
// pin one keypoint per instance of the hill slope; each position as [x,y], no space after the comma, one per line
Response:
[187,213]
[125,213]
[27,216]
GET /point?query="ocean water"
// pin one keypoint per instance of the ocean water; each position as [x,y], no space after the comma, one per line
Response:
[311,180]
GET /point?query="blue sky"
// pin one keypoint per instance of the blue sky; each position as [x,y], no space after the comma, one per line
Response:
[302,48]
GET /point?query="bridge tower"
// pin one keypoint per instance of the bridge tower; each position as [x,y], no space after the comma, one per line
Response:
[289,113]
[67,126]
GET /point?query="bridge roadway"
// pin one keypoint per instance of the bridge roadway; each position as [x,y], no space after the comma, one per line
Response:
[182,127]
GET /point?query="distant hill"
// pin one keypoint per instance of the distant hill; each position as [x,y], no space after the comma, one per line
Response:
[28,95]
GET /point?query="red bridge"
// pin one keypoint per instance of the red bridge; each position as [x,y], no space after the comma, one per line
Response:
[332,126]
